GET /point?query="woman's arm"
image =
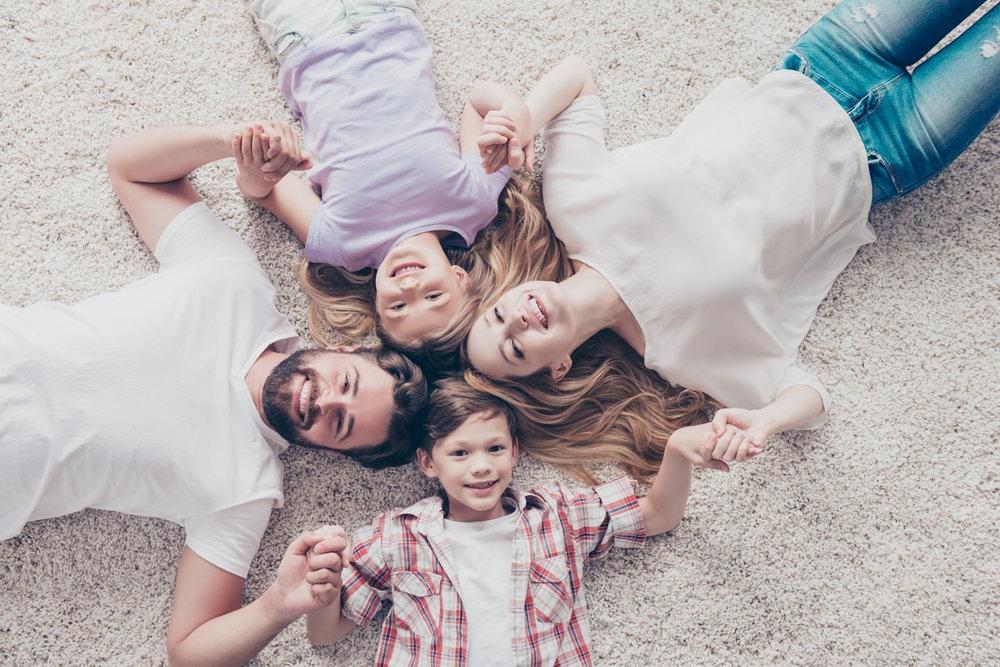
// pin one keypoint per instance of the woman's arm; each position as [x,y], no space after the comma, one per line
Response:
[796,406]
[556,90]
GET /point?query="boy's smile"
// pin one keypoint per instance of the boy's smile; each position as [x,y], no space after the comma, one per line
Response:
[474,464]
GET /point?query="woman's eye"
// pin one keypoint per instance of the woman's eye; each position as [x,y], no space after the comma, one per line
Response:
[518,352]
[397,306]
[496,314]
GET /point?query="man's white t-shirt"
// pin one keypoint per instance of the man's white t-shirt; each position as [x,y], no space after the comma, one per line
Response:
[135,401]
[723,237]
[484,553]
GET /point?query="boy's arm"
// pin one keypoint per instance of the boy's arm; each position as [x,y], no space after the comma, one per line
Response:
[327,625]
[663,508]
[149,171]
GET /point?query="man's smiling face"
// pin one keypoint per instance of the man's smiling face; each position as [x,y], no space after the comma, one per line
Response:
[328,399]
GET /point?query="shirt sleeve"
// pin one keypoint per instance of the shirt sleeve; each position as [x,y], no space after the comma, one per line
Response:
[575,138]
[798,375]
[229,538]
[603,517]
[197,234]
[367,579]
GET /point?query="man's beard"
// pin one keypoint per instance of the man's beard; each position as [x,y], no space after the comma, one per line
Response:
[277,398]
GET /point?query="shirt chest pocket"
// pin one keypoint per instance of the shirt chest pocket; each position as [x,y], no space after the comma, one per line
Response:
[416,601]
[549,587]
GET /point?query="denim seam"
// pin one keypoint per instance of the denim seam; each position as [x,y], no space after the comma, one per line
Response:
[888,168]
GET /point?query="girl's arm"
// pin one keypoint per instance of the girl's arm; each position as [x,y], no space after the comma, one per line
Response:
[487,96]
[556,90]
[293,202]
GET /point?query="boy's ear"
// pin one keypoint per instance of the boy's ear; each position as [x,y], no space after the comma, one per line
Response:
[426,464]
[516,450]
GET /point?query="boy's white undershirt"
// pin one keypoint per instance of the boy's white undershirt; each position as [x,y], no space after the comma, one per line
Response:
[483,552]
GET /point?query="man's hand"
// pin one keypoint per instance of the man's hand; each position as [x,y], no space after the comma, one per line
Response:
[307,580]
[502,139]
[264,153]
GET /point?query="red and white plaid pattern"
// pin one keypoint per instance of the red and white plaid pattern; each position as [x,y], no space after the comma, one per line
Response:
[405,557]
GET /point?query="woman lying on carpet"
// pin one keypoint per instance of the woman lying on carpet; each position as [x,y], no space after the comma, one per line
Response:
[392,242]
[708,251]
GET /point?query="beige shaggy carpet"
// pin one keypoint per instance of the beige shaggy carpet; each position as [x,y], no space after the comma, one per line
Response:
[873,540]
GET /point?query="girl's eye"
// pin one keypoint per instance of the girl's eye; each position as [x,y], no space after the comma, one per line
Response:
[397,306]
[518,352]
[434,296]
[496,314]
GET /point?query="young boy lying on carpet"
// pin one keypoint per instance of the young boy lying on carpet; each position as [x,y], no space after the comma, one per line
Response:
[480,574]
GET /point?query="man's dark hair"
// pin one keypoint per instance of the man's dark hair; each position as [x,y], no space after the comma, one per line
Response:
[452,402]
[409,396]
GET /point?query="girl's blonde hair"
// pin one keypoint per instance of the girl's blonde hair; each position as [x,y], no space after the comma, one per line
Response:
[518,244]
[608,408]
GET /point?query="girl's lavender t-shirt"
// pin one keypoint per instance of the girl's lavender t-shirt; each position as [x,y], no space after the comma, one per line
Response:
[387,163]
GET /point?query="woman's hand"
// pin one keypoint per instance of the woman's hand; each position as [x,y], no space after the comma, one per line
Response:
[752,425]
[691,442]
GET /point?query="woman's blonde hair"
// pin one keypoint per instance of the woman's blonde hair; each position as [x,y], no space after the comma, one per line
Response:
[518,244]
[608,408]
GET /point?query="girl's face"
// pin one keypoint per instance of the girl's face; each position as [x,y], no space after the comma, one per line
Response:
[417,291]
[528,329]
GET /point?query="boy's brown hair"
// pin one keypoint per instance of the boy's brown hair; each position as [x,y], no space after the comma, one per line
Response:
[453,402]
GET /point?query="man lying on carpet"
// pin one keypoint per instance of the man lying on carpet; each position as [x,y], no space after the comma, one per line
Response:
[480,574]
[174,396]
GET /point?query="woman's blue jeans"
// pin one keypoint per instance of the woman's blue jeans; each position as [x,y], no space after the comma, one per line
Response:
[912,124]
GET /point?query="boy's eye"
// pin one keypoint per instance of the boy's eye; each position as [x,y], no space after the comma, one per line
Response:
[496,449]
[496,314]
[518,352]
[397,306]
[458,452]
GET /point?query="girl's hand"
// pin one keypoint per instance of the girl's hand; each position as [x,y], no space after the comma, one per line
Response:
[500,140]
[264,153]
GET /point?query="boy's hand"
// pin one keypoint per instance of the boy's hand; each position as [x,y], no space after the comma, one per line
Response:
[306,581]
[752,423]
[264,153]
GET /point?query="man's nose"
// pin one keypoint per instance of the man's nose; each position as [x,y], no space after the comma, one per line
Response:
[332,400]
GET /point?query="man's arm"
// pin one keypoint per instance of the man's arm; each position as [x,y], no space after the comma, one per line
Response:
[149,172]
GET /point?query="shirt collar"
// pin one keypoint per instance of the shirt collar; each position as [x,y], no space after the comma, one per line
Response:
[429,512]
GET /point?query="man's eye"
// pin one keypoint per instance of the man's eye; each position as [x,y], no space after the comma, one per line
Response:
[397,306]
[340,422]
[496,314]
[518,352]
[347,384]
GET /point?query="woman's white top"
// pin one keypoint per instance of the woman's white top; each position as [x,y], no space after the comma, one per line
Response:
[722,238]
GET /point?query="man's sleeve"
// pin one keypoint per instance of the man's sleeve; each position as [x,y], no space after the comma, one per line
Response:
[229,538]
[367,580]
[603,517]
[197,234]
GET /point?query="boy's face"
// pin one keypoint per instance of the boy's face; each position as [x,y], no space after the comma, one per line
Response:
[474,465]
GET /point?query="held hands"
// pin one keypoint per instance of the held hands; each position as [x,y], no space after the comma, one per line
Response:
[502,139]
[309,575]
[702,447]
[264,153]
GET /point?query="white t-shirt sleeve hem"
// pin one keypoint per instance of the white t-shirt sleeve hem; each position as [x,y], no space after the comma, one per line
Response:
[229,538]
[163,243]
[798,375]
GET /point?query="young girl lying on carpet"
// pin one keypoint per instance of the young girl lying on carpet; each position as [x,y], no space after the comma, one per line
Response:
[391,243]
[480,574]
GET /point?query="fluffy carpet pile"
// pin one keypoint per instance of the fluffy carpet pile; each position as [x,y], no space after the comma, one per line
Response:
[872,540]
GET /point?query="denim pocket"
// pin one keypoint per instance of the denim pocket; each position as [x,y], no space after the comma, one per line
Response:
[884,184]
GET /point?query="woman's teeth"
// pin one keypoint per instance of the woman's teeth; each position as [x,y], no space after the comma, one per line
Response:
[537,311]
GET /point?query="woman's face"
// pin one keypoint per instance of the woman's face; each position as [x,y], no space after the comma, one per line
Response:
[528,329]
[417,291]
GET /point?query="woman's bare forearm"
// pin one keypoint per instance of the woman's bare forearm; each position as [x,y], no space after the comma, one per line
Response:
[557,89]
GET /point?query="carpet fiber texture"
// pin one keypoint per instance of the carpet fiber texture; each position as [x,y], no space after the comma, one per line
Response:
[871,540]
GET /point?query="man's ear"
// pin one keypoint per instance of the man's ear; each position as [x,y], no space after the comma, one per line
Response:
[344,348]
[426,464]
[463,277]
[558,372]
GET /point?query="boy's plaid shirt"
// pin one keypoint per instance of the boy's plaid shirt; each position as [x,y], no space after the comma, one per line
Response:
[405,557]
